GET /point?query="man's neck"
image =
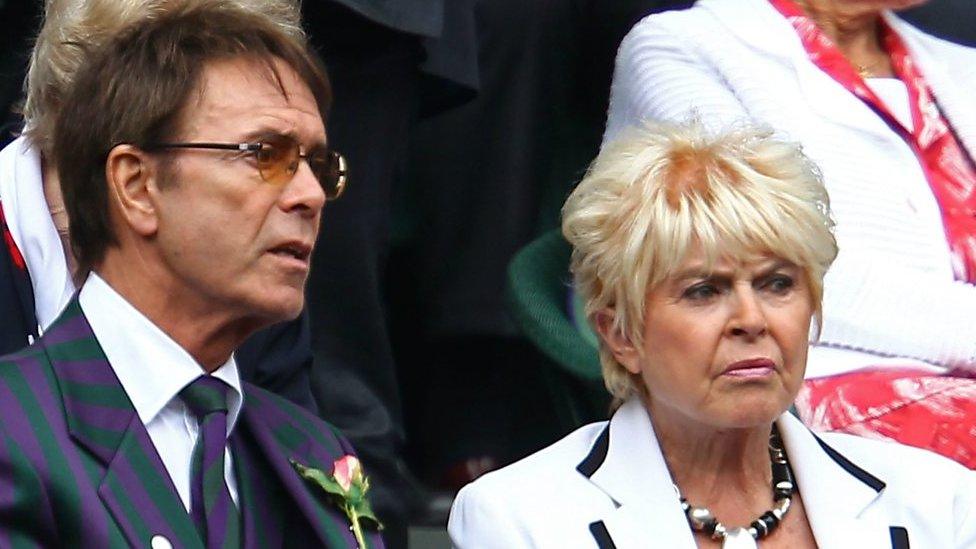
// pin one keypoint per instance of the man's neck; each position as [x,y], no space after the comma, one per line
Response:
[209,337]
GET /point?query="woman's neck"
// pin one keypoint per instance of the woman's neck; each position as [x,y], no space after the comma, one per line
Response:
[726,470]
[855,31]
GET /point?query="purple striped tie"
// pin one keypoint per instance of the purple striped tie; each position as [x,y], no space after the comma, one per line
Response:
[214,513]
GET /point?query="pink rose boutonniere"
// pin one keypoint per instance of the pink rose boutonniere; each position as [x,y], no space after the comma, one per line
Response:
[347,487]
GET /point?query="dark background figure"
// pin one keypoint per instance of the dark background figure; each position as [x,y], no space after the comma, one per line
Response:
[389,61]
[950,19]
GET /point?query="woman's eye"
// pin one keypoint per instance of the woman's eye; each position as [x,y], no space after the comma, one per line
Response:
[700,292]
[780,284]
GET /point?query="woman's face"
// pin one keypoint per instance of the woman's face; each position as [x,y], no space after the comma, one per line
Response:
[724,348]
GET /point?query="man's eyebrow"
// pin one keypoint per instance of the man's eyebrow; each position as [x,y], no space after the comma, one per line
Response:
[266,131]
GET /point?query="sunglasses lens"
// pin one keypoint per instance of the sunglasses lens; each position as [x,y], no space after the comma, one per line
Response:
[278,159]
[330,169]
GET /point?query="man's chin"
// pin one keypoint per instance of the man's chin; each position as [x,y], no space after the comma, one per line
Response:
[281,306]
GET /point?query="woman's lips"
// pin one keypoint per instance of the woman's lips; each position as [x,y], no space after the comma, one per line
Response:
[754,367]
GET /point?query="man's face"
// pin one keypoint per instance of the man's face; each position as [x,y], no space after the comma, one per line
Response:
[229,239]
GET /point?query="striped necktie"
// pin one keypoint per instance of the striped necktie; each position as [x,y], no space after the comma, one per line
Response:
[214,513]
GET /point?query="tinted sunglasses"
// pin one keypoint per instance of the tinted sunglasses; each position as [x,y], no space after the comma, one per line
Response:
[277,159]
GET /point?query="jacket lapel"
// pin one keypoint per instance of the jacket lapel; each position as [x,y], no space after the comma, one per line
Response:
[837,493]
[259,499]
[278,436]
[954,101]
[136,489]
[627,465]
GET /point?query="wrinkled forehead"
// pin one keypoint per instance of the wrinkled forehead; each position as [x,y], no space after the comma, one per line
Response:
[243,90]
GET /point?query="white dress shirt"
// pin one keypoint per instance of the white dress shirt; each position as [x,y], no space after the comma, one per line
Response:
[153,369]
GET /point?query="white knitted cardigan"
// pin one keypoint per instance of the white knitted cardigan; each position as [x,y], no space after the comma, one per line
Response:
[890,297]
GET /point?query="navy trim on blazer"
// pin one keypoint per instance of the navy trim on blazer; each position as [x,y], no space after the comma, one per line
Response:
[602,535]
[597,454]
[862,475]
[899,537]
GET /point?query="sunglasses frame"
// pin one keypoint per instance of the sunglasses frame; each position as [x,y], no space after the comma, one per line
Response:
[256,147]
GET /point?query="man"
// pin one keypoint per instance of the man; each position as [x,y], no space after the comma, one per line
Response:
[194,163]
[36,262]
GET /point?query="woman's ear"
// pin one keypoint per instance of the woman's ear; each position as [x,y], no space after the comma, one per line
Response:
[132,183]
[616,341]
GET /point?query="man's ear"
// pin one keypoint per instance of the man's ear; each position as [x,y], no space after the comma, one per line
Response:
[617,342]
[133,182]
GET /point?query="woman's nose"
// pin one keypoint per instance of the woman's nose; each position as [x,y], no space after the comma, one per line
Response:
[748,318]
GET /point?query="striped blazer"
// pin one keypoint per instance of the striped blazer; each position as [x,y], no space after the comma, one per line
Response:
[77,466]
[607,486]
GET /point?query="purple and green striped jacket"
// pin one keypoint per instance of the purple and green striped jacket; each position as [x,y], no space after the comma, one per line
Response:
[78,469]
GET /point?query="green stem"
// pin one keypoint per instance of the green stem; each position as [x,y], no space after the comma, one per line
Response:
[357,530]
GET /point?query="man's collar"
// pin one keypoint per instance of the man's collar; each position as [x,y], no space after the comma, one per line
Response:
[151,367]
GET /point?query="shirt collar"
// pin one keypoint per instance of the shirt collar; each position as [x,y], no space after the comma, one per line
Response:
[151,367]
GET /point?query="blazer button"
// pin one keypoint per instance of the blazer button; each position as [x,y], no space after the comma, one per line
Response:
[160,542]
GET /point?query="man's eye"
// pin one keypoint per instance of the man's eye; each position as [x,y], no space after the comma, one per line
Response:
[700,292]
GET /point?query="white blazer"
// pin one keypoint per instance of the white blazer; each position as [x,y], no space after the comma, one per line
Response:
[891,292]
[606,485]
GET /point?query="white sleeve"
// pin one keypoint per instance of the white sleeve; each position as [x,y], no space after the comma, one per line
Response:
[870,306]
[659,77]
[478,521]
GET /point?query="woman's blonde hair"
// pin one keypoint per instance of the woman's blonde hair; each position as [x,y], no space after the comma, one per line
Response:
[72,29]
[660,188]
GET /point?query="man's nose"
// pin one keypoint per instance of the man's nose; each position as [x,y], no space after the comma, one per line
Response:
[304,192]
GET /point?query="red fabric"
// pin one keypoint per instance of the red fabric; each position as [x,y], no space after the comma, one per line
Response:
[15,255]
[910,406]
[948,168]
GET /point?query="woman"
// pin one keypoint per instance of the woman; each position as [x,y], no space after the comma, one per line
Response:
[701,261]
[37,268]
[886,111]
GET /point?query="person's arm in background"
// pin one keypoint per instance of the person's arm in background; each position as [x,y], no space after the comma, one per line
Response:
[279,359]
[868,305]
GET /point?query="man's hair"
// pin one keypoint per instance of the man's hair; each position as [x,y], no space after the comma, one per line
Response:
[656,191]
[73,29]
[136,88]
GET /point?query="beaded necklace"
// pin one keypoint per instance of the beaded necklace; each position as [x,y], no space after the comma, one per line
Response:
[701,519]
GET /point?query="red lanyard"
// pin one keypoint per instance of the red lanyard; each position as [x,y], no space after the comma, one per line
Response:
[948,168]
